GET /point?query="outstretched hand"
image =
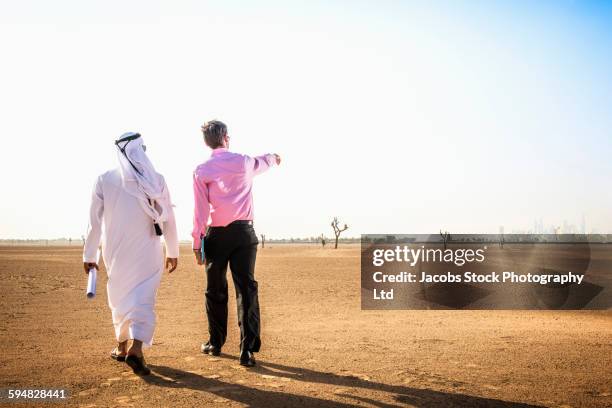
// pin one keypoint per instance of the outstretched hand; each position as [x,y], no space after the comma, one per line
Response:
[172,264]
[278,158]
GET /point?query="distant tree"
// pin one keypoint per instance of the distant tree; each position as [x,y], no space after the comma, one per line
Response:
[337,230]
[323,242]
[445,237]
[263,241]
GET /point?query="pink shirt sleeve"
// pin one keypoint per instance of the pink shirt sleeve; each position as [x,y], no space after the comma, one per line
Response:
[259,164]
[201,209]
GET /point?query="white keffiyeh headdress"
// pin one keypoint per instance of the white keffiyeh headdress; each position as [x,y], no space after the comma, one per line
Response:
[149,186]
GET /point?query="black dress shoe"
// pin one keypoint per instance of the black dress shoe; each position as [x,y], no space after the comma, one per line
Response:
[208,348]
[138,365]
[247,359]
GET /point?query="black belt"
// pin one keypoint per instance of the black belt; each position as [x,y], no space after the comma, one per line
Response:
[247,222]
[237,222]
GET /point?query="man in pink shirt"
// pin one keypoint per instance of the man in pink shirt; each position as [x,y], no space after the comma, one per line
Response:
[223,215]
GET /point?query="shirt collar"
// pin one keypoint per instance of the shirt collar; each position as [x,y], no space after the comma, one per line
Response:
[218,151]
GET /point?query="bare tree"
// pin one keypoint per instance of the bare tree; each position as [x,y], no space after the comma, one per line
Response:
[263,241]
[446,237]
[556,230]
[337,230]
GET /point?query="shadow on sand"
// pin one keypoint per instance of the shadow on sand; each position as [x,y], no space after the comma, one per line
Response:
[257,397]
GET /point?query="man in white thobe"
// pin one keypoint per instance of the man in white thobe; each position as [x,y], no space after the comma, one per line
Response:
[130,210]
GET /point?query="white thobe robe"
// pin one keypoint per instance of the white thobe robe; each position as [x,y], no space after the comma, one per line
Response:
[132,253]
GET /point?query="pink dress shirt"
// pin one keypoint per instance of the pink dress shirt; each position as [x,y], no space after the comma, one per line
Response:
[222,189]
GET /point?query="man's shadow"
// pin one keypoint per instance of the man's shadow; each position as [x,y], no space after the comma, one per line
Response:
[257,397]
[250,396]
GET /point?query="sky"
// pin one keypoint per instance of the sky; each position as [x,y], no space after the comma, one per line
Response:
[395,116]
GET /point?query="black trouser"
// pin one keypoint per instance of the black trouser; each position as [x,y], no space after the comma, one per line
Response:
[236,244]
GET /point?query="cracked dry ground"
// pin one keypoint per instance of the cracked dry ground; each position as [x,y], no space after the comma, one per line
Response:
[319,348]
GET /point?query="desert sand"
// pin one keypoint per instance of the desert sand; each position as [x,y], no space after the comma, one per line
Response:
[319,348]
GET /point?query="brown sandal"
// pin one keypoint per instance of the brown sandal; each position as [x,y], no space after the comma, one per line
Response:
[138,365]
[115,355]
